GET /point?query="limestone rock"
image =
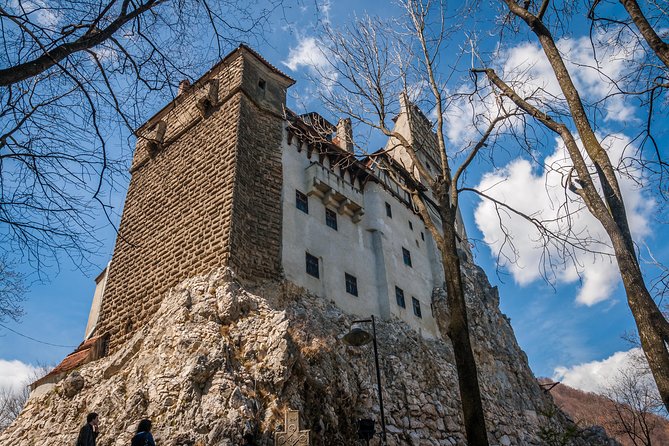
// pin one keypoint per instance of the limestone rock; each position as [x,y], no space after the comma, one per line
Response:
[72,384]
[218,360]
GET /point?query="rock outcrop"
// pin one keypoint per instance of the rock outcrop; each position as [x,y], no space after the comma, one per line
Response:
[219,360]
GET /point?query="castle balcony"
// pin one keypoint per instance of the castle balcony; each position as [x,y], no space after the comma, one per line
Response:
[334,191]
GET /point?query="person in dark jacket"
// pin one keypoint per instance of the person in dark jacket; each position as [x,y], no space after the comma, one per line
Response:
[143,436]
[89,432]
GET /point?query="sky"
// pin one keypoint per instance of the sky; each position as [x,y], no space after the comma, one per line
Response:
[570,325]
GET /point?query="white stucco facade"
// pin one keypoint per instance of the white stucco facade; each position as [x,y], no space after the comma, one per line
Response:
[94,312]
[367,244]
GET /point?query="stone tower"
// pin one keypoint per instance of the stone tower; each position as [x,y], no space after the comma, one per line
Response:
[205,191]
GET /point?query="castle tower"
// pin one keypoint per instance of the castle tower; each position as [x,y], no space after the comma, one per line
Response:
[417,129]
[205,191]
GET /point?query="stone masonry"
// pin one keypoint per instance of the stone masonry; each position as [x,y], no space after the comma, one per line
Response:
[204,192]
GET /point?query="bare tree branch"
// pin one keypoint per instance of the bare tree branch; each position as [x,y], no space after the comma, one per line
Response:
[607,206]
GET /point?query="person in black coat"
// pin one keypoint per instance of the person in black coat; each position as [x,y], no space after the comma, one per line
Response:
[89,432]
[143,436]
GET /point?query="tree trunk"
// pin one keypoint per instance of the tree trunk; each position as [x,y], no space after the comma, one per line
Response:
[650,321]
[608,208]
[458,332]
[654,41]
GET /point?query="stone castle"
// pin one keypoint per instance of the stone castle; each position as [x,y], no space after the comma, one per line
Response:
[226,175]
[250,238]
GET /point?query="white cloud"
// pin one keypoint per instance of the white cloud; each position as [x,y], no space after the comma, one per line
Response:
[15,374]
[106,53]
[527,70]
[532,74]
[311,54]
[597,376]
[38,11]
[541,194]
[308,53]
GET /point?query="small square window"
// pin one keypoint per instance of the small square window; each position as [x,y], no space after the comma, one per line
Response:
[389,210]
[312,265]
[399,297]
[410,225]
[351,284]
[416,307]
[301,202]
[406,255]
[331,218]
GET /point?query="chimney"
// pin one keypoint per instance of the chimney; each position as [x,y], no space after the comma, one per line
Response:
[345,134]
[184,85]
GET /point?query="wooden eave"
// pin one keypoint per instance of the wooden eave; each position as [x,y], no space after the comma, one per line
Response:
[315,143]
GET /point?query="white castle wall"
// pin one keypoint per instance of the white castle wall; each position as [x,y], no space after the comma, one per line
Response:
[370,249]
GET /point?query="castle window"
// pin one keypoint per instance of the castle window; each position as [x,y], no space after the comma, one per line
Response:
[104,346]
[416,307]
[331,218]
[312,265]
[301,201]
[422,236]
[261,83]
[399,297]
[389,210]
[411,226]
[406,255]
[351,284]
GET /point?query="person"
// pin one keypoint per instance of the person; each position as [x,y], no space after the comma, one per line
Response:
[89,432]
[143,436]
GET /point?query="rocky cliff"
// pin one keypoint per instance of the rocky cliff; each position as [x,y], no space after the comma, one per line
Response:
[218,360]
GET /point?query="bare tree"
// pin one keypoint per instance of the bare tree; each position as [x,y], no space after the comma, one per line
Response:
[377,69]
[13,400]
[641,31]
[12,292]
[75,79]
[643,23]
[593,179]
[637,403]
[11,404]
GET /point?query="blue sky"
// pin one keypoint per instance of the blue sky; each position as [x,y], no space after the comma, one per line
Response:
[560,326]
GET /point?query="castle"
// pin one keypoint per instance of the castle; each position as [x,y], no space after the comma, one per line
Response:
[226,175]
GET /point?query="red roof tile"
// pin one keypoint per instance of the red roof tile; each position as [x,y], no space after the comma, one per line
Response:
[80,356]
